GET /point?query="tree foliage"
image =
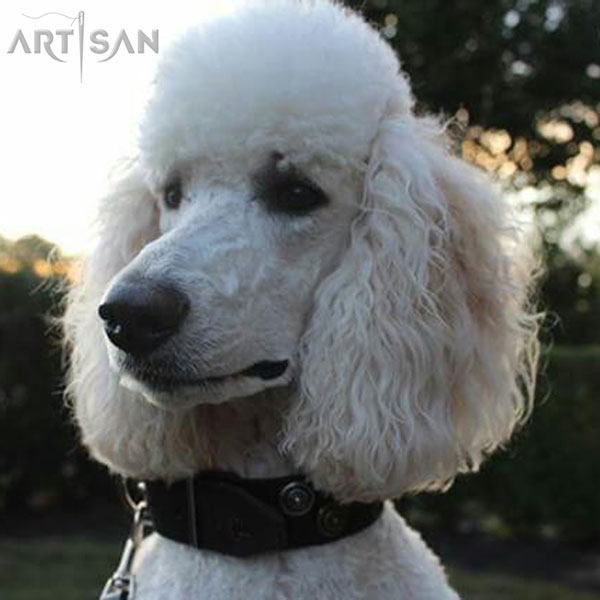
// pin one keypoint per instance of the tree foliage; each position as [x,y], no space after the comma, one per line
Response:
[42,464]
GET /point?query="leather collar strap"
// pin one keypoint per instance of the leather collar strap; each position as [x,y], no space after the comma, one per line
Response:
[242,517]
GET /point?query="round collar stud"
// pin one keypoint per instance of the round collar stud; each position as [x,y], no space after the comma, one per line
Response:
[296,499]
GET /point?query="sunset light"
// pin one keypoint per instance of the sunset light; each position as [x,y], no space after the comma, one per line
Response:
[61,136]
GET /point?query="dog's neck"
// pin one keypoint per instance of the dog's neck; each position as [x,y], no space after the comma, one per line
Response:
[242,435]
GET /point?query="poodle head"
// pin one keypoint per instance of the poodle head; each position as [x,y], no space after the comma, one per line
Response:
[289,223]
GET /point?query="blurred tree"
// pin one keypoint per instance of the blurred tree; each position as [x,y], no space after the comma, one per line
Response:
[41,462]
[512,64]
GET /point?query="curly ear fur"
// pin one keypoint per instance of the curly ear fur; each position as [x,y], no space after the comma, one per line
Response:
[119,428]
[420,356]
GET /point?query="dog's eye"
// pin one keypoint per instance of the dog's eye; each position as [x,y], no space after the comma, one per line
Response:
[293,196]
[284,189]
[173,195]
[300,197]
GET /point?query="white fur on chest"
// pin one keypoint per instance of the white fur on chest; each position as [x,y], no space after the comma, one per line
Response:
[386,561]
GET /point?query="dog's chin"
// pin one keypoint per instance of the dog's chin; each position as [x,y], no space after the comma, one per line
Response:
[215,390]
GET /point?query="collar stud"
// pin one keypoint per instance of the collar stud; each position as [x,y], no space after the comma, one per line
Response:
[331,520]
[296,499]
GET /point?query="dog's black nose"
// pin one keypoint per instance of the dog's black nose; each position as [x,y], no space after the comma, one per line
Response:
[140,316]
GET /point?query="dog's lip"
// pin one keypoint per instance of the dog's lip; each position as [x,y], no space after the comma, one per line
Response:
[267,369]
[167,380]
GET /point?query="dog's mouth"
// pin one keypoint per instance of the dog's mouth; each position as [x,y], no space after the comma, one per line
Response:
[165,378]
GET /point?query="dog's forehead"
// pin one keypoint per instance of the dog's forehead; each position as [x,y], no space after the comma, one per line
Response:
[301,77]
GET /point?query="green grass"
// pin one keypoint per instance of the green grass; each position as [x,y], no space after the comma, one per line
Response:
[499,586]
[75,568]
[69,568]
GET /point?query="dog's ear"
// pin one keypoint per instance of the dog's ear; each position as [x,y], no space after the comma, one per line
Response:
[110,418]
[420,355]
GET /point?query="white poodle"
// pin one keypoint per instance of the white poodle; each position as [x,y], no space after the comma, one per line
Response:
[297,282]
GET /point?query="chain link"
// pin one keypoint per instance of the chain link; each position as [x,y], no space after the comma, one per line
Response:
[121,585]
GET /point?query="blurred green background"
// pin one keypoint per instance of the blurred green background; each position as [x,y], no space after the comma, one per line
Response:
[519,82]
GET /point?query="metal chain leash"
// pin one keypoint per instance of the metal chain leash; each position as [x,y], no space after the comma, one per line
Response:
[121,585]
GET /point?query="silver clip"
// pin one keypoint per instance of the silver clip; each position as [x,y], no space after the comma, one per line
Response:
[121,585]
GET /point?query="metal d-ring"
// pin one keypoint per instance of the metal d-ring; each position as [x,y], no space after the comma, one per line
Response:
[133,499]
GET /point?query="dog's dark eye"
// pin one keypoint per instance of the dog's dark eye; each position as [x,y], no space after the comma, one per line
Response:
[297,197]
[288,193]
[284,189]
[173,195]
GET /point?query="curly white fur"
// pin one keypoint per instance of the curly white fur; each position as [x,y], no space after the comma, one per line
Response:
[429,320]
[402,306]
